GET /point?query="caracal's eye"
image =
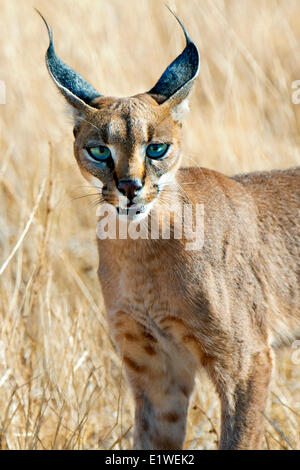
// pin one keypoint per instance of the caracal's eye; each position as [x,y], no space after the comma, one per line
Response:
[156,151]
[100,153]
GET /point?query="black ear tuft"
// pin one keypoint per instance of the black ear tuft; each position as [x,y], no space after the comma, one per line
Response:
[181,71]
[70,83]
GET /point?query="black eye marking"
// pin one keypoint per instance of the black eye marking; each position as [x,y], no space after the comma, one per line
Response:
[156,186]
[115,178]
[75,131]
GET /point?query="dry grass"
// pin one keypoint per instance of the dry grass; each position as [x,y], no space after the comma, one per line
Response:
[61,383]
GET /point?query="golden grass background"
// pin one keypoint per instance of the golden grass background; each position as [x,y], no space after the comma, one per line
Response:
[61,384]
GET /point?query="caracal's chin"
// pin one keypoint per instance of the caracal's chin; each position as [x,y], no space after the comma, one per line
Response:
[136,212]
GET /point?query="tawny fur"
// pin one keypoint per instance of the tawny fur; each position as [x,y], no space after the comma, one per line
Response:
[222,307]
[171,310]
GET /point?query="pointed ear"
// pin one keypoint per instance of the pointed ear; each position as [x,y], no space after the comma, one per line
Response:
[175,84]
[78,93]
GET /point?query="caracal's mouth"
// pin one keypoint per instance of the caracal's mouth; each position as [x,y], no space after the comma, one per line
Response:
[134,211]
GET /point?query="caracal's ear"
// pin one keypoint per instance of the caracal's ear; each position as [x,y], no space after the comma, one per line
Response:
[174,86]
[78,93]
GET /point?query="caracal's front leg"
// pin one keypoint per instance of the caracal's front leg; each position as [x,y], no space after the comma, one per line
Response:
[244,392]
[161,382]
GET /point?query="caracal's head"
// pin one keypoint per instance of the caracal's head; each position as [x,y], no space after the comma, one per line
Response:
[129,148]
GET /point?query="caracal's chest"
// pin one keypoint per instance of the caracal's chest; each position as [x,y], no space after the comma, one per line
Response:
[141,284]
[145,300]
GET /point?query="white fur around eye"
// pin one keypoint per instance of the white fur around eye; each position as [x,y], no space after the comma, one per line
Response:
[96,182]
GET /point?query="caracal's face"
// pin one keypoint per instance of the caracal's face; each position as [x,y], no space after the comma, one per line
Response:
[130,150]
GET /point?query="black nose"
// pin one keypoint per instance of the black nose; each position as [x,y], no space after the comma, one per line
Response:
[129,188]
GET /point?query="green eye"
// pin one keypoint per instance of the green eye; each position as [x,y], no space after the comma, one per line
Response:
[100,153]
[156,150]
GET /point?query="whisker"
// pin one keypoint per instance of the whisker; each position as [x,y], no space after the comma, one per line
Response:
[97,203]
[85,195]
[86,186]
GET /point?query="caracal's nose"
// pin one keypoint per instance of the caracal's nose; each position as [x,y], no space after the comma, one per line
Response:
[129,187]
